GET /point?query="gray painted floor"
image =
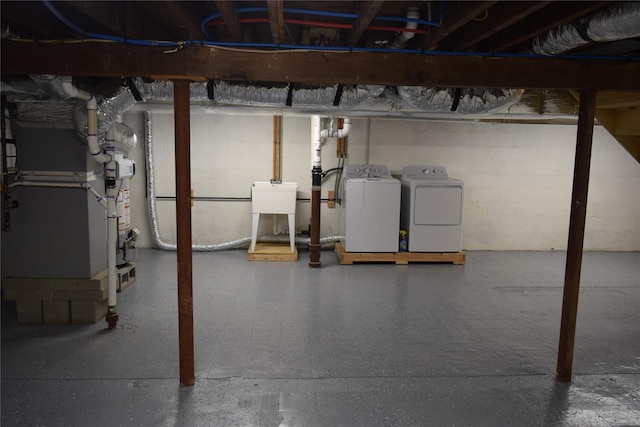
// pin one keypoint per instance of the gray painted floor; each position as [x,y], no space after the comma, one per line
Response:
[360,345]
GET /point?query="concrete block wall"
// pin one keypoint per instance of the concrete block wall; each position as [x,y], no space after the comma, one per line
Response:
[518,177]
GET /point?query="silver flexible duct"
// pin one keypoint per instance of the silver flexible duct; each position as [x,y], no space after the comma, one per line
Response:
[249,94]
[466,101]
[163,90]
[618,22]
[51,84]
[153,214]
[373,99]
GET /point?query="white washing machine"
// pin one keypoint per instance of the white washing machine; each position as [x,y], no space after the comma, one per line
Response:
[370,209]
[431,209]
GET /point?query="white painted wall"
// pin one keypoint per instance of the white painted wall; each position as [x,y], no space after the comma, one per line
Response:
[517,177]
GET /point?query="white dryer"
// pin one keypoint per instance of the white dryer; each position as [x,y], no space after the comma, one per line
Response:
[370,209]
[431,211]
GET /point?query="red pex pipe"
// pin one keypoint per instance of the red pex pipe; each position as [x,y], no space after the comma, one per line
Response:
[325,25]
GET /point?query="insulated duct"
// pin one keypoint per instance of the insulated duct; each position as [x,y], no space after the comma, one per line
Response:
[162,90]
[329,100]
[461,101]
[240,93]
[617,22]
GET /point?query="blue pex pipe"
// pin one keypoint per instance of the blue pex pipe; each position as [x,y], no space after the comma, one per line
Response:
[151,43]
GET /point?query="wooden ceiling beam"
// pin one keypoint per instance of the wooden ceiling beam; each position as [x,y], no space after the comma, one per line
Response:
[499,17]
[276,20]
[230,19]
[119,60]
[367,10]
[456,14]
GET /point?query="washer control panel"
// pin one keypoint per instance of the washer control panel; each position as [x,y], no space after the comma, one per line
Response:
[435,172]
[366,171]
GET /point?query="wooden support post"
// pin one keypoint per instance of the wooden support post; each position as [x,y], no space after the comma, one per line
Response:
[183,228]
[576,235]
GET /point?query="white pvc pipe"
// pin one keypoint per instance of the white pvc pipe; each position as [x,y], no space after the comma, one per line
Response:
[344,132]
[112,220]
[110,175]
[316,142]
[92,117]
[404,37]
[318,136]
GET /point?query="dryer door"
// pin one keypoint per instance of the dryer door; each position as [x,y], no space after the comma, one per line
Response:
[438,205]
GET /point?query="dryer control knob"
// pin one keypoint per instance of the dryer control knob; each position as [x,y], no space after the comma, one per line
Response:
[426,171]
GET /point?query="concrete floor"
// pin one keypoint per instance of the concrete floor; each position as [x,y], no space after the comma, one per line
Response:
[363,345]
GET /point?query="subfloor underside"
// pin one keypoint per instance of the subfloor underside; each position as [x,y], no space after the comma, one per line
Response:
[277,343]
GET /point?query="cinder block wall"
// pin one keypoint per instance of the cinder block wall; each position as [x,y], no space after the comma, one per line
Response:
[518,177]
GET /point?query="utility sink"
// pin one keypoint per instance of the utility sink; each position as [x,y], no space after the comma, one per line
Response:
[273,198]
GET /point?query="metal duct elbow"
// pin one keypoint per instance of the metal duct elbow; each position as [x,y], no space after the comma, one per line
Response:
[618,22]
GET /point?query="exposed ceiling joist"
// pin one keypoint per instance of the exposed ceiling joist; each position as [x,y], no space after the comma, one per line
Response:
[276,20]
[230,19]
[184,20]
[499,17]
[314,67]
[456,15]
[17,18]
[109,16]
[367,10]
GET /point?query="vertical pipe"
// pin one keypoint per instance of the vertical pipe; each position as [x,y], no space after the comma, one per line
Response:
[112,230]
[316,186]
[314,241]
[576,235]
[183,228]
[275,148]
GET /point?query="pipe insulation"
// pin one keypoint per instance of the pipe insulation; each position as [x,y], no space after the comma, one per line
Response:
[618,22]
